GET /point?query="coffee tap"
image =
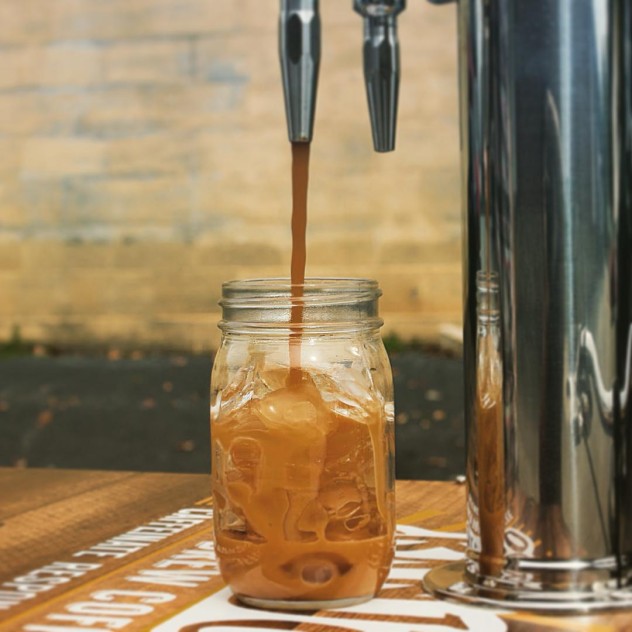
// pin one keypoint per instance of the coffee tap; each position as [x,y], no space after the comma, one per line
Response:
[299,52]
[381,67]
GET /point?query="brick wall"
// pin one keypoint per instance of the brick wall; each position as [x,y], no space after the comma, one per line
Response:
[144,160]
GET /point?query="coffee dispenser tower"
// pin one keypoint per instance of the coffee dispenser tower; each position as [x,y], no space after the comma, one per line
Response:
[546,155]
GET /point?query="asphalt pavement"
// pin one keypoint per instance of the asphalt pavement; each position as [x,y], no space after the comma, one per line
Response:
[145,413]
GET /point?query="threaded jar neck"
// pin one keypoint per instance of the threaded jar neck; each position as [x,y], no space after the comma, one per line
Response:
[328,305]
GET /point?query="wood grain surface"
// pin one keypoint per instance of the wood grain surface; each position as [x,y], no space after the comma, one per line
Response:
[48,516]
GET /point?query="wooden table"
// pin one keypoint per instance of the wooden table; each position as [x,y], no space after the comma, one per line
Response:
[83,550]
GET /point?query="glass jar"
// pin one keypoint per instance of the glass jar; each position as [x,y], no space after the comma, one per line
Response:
[302,443]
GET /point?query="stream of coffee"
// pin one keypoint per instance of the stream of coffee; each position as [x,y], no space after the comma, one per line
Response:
[300,178]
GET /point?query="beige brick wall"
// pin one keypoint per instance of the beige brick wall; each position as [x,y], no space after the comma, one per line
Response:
[144,160]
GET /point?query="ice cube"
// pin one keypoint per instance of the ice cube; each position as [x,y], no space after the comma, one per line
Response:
[235,467]
[273,378]
[218,462]
[235,395]
[281,409]
[293,412]
[303,521]
[249,383]
[245,453]
[230,515]
[326,385]
[339,495]
[232,519]
[313,519]
[355,521]
[241,465]
[348,392]
[358,520]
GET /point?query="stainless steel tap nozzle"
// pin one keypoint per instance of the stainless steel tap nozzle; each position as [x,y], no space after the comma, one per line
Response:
[381,66]
[299,51]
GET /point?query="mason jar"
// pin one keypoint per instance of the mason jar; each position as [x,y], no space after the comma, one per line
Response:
[302,443]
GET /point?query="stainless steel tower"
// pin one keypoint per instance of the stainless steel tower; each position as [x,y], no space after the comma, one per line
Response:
[546,118]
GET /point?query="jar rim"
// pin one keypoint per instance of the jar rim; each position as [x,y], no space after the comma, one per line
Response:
[325,303]
[277,291]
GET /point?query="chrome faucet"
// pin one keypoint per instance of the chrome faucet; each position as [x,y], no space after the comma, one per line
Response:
[381,67]
[299,52]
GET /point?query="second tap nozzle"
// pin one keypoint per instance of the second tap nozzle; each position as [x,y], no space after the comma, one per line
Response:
[381,67]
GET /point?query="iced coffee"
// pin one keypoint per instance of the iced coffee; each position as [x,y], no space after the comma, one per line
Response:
[303,500]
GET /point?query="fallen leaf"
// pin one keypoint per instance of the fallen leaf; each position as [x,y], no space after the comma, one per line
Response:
[186,446]
[167,387]
[402,418]
[44,418]
[438,415]
[148,403]
[114,354]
